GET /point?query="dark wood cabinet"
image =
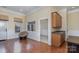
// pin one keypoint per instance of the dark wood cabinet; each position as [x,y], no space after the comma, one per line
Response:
[58,38]
[56,20]
[73,47]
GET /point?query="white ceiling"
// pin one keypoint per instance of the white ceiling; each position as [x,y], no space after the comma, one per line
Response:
[27,9]
[21,9]
[68,7]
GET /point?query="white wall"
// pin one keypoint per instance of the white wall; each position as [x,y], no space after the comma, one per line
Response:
[42,13]
[73,22]
[64,14]
[11,24]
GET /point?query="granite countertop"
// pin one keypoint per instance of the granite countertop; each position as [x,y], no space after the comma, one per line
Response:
[58,32]
[73,40]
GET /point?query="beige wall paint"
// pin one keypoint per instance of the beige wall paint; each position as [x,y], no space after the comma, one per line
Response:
[11,24]
[73,23]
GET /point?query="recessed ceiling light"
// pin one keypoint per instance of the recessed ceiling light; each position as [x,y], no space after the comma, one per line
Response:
[73,7]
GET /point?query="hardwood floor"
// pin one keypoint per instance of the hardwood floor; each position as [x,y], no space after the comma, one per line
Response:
[29,46]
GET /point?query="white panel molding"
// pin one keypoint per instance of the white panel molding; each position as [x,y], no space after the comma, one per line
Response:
[34,35]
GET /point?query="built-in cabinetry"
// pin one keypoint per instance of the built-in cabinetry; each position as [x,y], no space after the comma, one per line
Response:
[73,44]
[73,47]
[56,20]
[58,38]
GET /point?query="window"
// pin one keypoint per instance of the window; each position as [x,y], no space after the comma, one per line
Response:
[17,27]
[31,26]
[18,23]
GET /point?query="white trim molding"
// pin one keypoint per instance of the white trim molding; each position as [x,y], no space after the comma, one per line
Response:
[11,12]
[72,11]
[73,33]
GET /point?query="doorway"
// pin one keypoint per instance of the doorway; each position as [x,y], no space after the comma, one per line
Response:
[3,30]
[44,30]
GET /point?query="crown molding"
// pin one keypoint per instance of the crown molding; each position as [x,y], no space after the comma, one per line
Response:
[72,11]
[34,10]
[11,12]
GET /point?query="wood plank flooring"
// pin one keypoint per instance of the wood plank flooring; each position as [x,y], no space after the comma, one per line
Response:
[29,46]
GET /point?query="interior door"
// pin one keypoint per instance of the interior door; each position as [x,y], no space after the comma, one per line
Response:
[44,30]
[3,30]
